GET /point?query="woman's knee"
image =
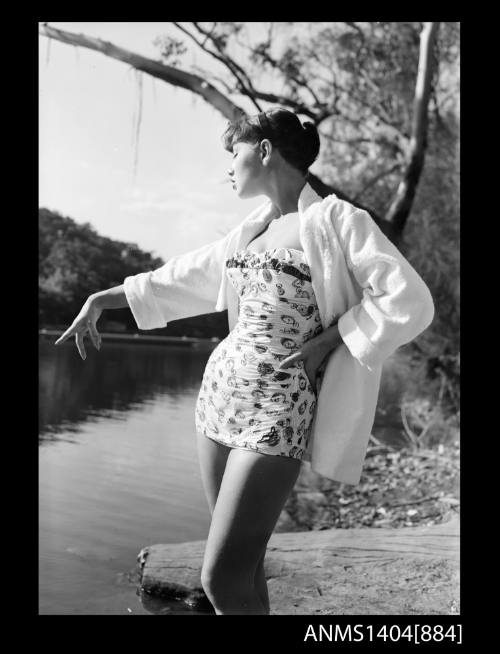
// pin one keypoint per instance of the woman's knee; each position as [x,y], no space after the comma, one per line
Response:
[230,591]
[209,582]
[217,576]
[221,578]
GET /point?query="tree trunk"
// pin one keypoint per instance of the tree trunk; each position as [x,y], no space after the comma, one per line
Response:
[399,210]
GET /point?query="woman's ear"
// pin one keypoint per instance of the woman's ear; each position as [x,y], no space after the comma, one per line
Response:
[266,148]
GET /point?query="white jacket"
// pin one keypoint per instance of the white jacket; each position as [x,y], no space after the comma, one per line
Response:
[360,279]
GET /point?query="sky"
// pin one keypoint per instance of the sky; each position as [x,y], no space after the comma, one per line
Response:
[88,106]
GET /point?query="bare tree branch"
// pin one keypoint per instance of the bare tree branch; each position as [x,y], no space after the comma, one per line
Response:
[270,32]
[249,89]
[381,141]
[234,67]
[300,81]
[242,85]
[375,179]
[206,39]
[212,76]
[376,110]
[168,74]
[323,190]
[383,115]
[200,86]
[357,28]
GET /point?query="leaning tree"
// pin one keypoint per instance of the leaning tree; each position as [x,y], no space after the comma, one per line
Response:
[366,86]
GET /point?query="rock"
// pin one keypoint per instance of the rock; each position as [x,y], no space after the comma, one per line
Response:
[307,508]
[311,497]
[286,523]
[365,571]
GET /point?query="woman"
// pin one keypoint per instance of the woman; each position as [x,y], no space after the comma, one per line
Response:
[317,298]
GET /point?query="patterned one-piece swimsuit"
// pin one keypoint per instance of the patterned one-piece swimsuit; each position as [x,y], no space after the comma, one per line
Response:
[245,401]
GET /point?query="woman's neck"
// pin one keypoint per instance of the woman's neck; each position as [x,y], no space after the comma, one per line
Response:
[285,194]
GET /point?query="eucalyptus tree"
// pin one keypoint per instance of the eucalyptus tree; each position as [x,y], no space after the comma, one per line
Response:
[368,86]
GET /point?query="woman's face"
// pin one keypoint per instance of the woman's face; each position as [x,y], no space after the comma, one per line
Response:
[246,170]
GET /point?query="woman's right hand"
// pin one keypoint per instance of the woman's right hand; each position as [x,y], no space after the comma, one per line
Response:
[84,322]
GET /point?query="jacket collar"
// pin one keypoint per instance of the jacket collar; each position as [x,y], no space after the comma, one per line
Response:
[307,197]
[268,211]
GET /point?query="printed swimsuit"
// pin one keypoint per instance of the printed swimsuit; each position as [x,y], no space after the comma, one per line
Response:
[245,401]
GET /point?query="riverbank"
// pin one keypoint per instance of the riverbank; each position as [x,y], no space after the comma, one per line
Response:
[389,546]
[398,488]
[139,339]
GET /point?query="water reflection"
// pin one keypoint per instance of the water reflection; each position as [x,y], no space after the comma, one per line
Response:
[110,382]
[162,606]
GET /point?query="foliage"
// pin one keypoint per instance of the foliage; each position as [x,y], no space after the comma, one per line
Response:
[431,240]
[75,261]
[398,488]
[171,49]
[427,423]
[356,81]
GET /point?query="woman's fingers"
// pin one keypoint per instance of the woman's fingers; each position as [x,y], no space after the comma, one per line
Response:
[80,345]
[95,337]
[78,329]
[311,376]
[69,332]
[289,361]
[76,325]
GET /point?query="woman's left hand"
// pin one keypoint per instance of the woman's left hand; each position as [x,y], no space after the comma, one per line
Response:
[312,353]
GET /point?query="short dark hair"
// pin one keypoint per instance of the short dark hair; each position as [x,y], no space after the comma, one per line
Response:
[297,143]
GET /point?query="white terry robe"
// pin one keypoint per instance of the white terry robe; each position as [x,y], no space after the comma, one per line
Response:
[361,281]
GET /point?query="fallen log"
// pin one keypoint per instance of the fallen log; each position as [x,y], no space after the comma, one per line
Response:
[366,571]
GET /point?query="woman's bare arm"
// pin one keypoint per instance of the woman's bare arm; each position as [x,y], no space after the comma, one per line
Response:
[112,298]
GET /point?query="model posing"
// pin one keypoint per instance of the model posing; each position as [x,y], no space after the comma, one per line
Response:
[317,298]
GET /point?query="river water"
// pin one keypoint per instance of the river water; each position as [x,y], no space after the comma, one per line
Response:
[118,467]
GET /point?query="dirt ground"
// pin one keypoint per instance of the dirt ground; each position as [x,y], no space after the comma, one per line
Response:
[398,488]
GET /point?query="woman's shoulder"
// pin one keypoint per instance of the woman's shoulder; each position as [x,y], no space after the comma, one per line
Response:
[338,205]
[343,213]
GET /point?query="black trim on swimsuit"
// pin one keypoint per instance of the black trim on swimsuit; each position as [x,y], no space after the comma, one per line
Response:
[276,264]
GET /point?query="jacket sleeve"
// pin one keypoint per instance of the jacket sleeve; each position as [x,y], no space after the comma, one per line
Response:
[186,285]
[396,303]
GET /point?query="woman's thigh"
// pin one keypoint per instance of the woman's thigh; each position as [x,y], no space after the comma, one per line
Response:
[212,458]
[252,494]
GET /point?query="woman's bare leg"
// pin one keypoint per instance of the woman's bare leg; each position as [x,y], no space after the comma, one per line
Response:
[252,494]
[212,458]
[261,584]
